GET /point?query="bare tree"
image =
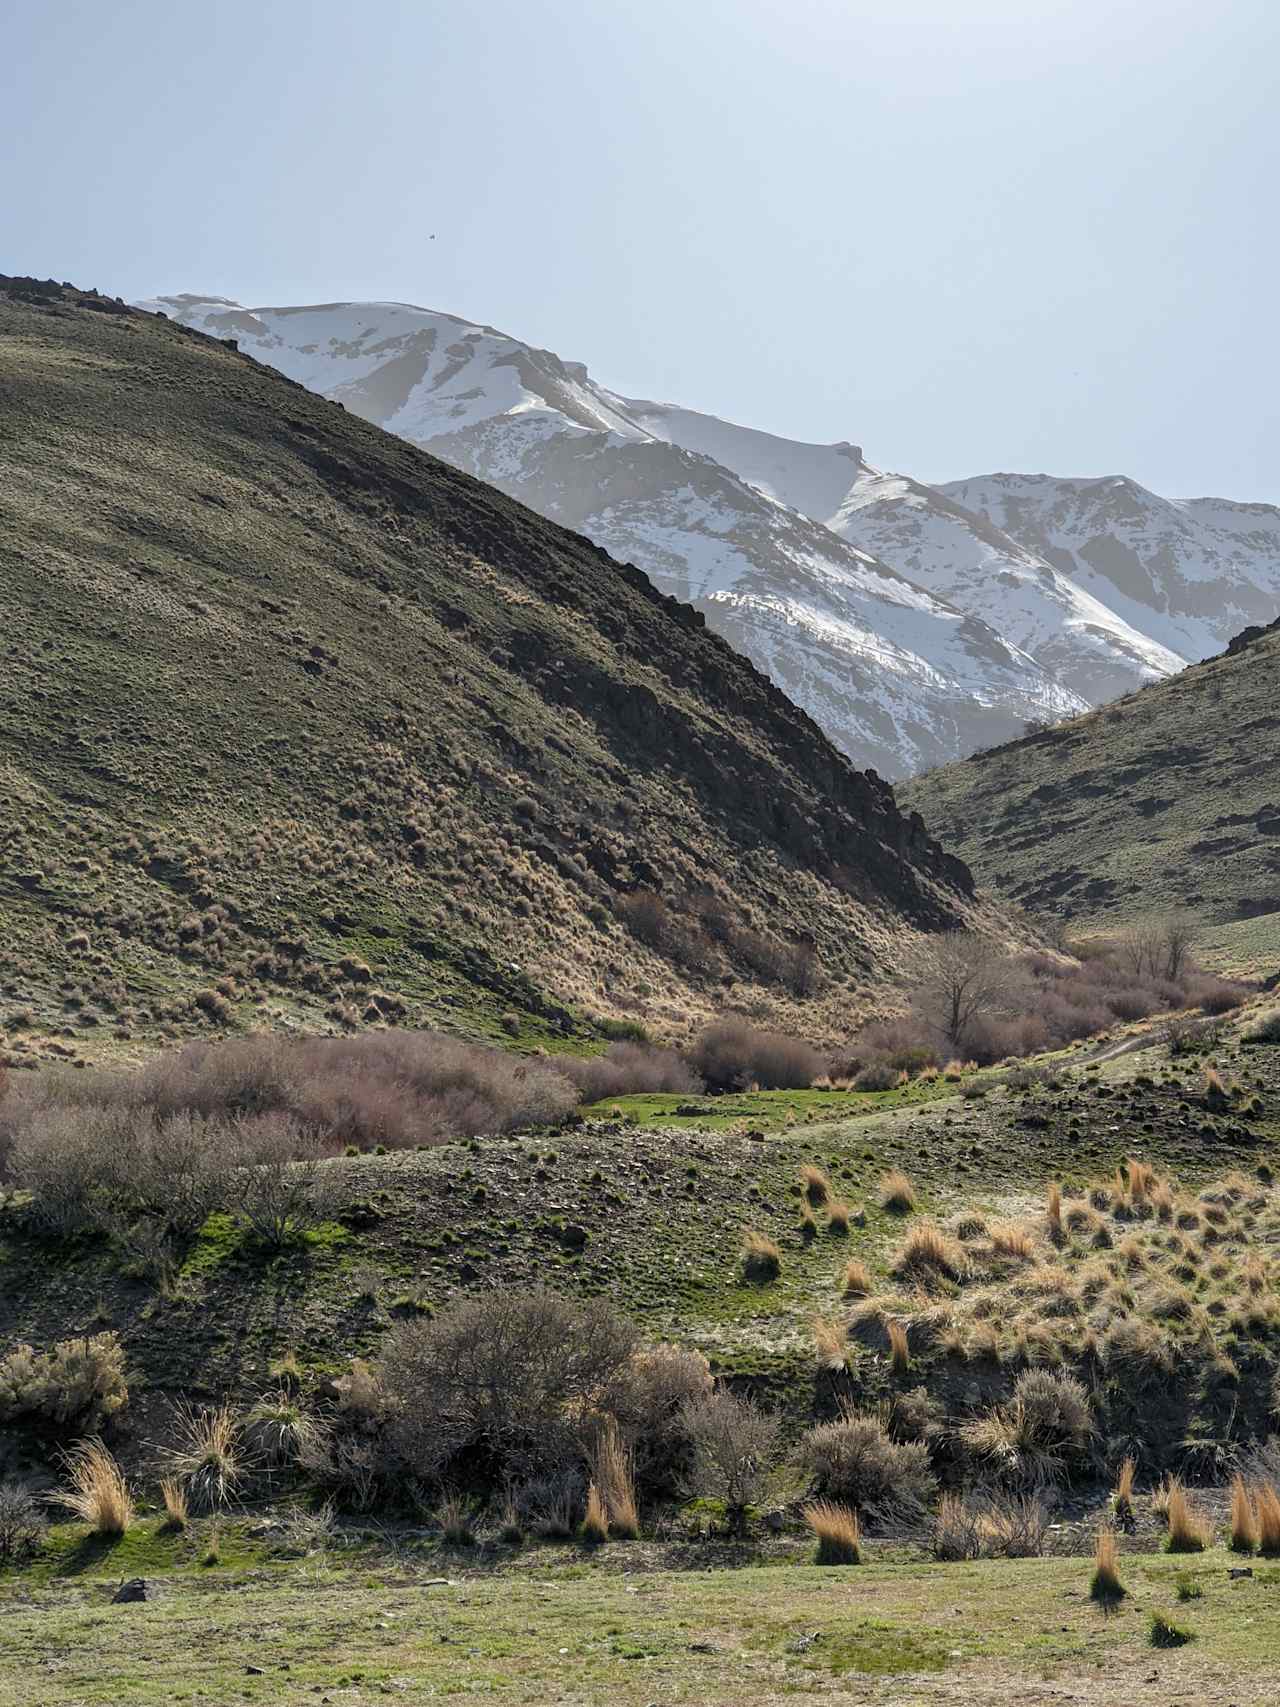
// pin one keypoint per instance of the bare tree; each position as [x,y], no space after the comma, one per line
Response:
[1177,935]
[961,978]
[1160,947]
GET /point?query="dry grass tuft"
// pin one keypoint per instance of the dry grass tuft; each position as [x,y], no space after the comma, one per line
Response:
[897,1194]
[594,1528]
[1011,1239]
[614,1476]
[1122,1498]
[174,1495]
[837,1531]
[830,1342]
[99,1494]
[1243,1518]
[1188,1532]
[855,1279]
[1105,1585]
[927,1252]
[815,1184]
[761,1256]
[1053,1211]
[899,1350]
[839,1216]
[208,1456]
[1267,1503]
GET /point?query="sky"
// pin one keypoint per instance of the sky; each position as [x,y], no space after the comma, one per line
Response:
[966,234]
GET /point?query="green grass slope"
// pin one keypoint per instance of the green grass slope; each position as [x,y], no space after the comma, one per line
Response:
[300,724]
[1166,799]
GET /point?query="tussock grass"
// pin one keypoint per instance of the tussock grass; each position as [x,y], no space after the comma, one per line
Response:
[899,1348]
[839,1216]
[594,1528]
[176,1511]
[837,1531]
[926,1253]
[814,1184]
[1243,1518]
[761,1257]
[1122,1497]
[897,1193]
[209,1456]
[1165,1633]
[99,1494]
[855,1279]
[1187,1530]
[1267,1502]
[1105,1585]
[614,1477]
[830,1342]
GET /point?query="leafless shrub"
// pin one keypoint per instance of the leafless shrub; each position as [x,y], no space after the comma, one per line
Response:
[732,1055]
[629,1069]
[648,1400]
[735,1447]
[22,1522]
[855,1460]
[510,1375]
[281,1189]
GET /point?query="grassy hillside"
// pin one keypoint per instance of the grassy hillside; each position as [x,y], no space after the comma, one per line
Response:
[1166,799]
[300,724]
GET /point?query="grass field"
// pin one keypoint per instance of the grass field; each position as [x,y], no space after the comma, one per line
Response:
[362,1629]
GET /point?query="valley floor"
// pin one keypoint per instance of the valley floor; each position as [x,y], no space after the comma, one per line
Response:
[340,1632]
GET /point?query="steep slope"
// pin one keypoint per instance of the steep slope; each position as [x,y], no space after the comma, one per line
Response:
[1169,798]
[1189,571]
[298,719]
[897,676]
[938,544]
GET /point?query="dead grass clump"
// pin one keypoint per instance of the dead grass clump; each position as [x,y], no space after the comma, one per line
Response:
[1014,1528]
[899,1349]
[855,1279]
[830,1342]
[814,1184]
[1243,1518]
[1037,1433]
[1122,1498]
[761,1257]
[1187,1531]
[1012,1240]
[837,1531]
[615,1478]
[1267,1503]
[926,1253]
[209,1455]
[594,1528]
[897,1194]
[1053,1211]
[99,1494]
[1105,1585]
[839,1215]
[176,1510]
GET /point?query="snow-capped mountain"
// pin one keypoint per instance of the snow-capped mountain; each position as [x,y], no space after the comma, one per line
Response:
[1191,572]
[914,623]
[938,544]
[898,677]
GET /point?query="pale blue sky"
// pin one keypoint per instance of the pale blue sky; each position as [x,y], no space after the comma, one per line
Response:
[968,234]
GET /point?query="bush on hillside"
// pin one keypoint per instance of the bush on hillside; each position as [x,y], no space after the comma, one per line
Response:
[628,1069]
[506,1381]
[856,1461]
[732,1055]
[78,1383]
[734,1450]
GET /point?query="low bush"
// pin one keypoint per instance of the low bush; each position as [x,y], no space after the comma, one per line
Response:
[1037,1434]
[507,1380]
[22,1522]
[80,1383]
[854,1460]
[628,1069]
[732,1055]
[734,1451]
[1266,1029]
